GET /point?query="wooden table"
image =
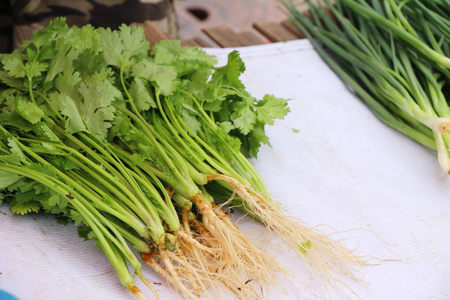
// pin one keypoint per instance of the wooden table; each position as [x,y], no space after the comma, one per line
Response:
[223,36]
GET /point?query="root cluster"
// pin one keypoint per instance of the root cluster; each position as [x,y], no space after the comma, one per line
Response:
[212,257]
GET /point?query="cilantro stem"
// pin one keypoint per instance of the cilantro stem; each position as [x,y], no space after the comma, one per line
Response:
[88,210]
[155,226]
[82,205]
[247,168]
[152,171]
[165,209]
[168,212]
[184,183]
[175,134]
[183,129]
[150,214]
[125,195]
[88,150]
[57,114]
[30,89]
[224,167]
[188,186]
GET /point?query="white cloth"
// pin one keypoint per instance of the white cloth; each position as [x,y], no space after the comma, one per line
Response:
[343,168]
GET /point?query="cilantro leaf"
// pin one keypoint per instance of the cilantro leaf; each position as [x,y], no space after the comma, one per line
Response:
[244,118]
[15,149]
[141,96]
[10,81]
[28,110]
[271,108]
[13,64]
[186,60]
[65,54]
[164,78]
[7,178]
[88,107]
[253,140]
[230,73]
[121,47]
[74,121]
[227,126]
[24,208]
[96,110]
[84,232]
[67,82]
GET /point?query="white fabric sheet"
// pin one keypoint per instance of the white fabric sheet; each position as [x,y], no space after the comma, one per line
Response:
[342,168]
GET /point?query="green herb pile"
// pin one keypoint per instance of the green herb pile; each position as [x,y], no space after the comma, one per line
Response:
[395,55]
[138,149]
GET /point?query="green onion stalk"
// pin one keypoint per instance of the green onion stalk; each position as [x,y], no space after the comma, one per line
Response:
[393,63]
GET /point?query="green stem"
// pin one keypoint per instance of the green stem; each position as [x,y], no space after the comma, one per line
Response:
[89,213]
[399,32]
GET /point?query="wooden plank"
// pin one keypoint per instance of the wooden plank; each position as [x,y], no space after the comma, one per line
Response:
[189,43]
[290,26]
[202,43]
[274,32]
[248,38]
[152,33]
[195,42]
[224,36]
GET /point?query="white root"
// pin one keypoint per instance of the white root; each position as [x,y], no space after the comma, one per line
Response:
[205,252]
[174,282]
[193,268]
[323,254]
[238,254]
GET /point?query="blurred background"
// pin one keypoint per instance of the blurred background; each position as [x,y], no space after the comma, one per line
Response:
[187,20]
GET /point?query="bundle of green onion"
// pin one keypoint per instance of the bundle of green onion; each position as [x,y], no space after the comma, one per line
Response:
[137,149]
[395,55]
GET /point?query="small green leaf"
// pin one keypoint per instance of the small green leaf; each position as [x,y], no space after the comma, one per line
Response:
[83,232]
[74,122]
[28,110]
[271,108]
[164,78]
[230,73]
[15,149]
[7,178]
[141,96]
[23,208]
[35,69]
[244,118]
[13,64]
[120,47]
[227,126]
[64,55]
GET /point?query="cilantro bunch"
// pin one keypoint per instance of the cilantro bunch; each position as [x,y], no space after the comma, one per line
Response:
[136,149]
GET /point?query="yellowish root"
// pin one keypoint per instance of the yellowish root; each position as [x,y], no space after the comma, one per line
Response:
[213,263]
[323,254]
[238,255]
[194,269]
[148,284]
[173,281]
[136,292]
